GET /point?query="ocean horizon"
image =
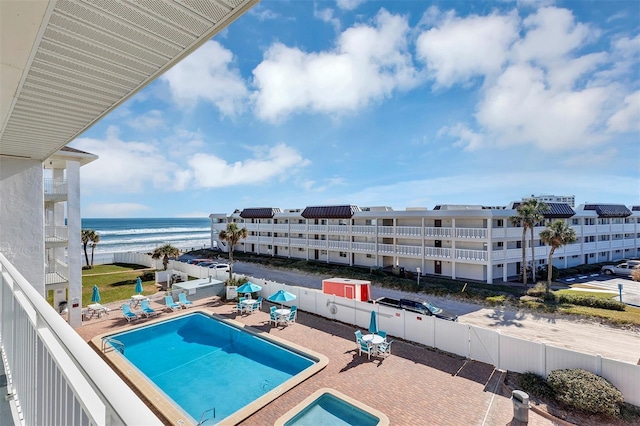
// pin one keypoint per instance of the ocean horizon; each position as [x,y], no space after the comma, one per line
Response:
[145,234]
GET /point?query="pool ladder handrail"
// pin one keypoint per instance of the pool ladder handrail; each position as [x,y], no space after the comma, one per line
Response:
[115,344]
[203,413]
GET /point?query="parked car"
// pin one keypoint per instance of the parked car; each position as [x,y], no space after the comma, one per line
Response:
[198,261]
[420,306]
[220,267]
[625,268]
[206,264]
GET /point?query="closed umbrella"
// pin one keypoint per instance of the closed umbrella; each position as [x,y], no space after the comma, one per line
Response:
[139,285]
[95,294]
[373,324]
[249,287]
[281,296]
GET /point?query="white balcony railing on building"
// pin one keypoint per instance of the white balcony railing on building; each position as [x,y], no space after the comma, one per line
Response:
[437,252]
[409,231]
[338,245]
[298,227]
[498,233]
[630,242]
[617,227]
[321,229]
[629,227]
[386,248]
[318,244]
[603,245]
[363,229]
[56,272]
[55,187]
[250,226]
[298,242]
[589,246]
[56,233]
[280,227]
[338,229]
[281,241]
[437,232]
[366,247]
[603,229]
[407,250]
[471,233]
[252,239]
[55,377]
[386,230]
[477,255]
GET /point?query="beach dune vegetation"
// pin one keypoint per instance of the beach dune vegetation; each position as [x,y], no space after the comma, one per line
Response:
[165,252]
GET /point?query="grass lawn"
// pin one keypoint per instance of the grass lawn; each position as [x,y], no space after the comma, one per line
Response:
[597,294]
[115,282]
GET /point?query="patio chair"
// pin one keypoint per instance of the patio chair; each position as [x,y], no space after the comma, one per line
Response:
[292,315]
[182,300]
[241,306]
[273,316]
[365,347]
[128,314]
[384,348]
[383,334]
[147,310]
[358,334]
[168,300]
[259,303]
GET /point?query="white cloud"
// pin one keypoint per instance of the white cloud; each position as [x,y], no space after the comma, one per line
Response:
[368,64]
[209,75]
[126,167]
[210,171]
[113,209]
[150,120]
[601,158]
[262,13]
[326,15]
[627,118]
[459,49]
[349,4]
[463,136]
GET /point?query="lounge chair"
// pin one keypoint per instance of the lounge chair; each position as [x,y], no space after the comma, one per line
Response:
[273,316]
[182,300]
[168,300]
[365,347]
[384,348]
[147,310]
[128,314]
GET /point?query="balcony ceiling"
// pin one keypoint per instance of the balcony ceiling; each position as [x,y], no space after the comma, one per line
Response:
[67,63]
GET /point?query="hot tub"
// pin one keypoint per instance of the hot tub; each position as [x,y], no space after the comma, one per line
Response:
[330,407]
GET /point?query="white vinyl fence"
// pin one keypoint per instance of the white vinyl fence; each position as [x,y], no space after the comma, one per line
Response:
[480,344]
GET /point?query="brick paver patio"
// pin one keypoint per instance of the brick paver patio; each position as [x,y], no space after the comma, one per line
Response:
[413,386]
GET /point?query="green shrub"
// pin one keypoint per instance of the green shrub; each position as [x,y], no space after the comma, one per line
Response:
[542,273]
[535,384]
[592,302]
[585,391]
[148,276]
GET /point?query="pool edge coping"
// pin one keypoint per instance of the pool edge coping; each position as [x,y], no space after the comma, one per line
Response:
[168,409]
[384,419]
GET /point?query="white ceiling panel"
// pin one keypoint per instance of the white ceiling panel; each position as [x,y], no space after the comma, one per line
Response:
[89,56]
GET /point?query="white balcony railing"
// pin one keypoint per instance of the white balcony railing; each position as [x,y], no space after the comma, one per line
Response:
[339,245]
[281,241]
[471,233]
[55,187]
[56,273]
[320,229]
[56,233]
[409,231]
[477,255]
[437,232]
[437,252]
[363,229]
[339,229]
[406,250]
[56,378]
[298,242]
[367,247]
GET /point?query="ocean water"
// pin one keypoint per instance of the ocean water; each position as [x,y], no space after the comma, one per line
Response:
[141,235]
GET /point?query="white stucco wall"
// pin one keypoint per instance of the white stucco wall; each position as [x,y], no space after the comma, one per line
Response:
[22,217]
[74,255]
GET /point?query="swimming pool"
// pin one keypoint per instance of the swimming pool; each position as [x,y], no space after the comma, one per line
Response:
[210,366]
[330,407]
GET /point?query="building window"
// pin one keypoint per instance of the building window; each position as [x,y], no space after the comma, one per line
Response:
[499,222]
[575,221]
[343,254]
[500,243]
[592,255]
[369,256]
[499,265]
[300,249]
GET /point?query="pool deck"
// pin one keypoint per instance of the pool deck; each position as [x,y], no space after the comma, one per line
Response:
[413,386]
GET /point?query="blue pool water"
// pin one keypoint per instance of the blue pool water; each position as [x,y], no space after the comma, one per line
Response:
[202,363]
[329,410]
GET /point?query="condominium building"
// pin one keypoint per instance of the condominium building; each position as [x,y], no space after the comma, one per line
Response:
[456,241]
[567,199]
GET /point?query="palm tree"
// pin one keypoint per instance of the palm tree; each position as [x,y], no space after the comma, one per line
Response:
[535,214]
[95,239]
[232,235]
[88,235]
[557,234]
[529,213]
[164,252]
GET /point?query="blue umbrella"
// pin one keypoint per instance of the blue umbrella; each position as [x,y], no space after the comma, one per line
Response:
[139,285]
[95,294]
[281,296]
[249,287]
[373,324]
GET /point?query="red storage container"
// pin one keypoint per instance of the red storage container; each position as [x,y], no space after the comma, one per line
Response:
[346,287]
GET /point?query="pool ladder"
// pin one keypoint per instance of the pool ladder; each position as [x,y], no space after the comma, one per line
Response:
[202,419]
[115,344]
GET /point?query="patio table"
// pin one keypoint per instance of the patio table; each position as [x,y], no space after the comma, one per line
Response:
[374,339]
[136,299]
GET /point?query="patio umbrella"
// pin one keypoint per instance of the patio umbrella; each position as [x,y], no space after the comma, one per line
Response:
[373,324]
[138,285]
[249,287]
[281,296]
[95,294]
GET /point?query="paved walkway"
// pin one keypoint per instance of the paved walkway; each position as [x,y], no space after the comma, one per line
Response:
[413,386]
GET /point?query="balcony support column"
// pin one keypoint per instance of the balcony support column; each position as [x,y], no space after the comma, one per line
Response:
[74,258]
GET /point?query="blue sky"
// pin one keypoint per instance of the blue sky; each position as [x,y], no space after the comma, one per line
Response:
[381,103]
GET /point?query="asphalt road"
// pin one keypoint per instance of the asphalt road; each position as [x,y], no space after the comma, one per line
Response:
[578,335]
